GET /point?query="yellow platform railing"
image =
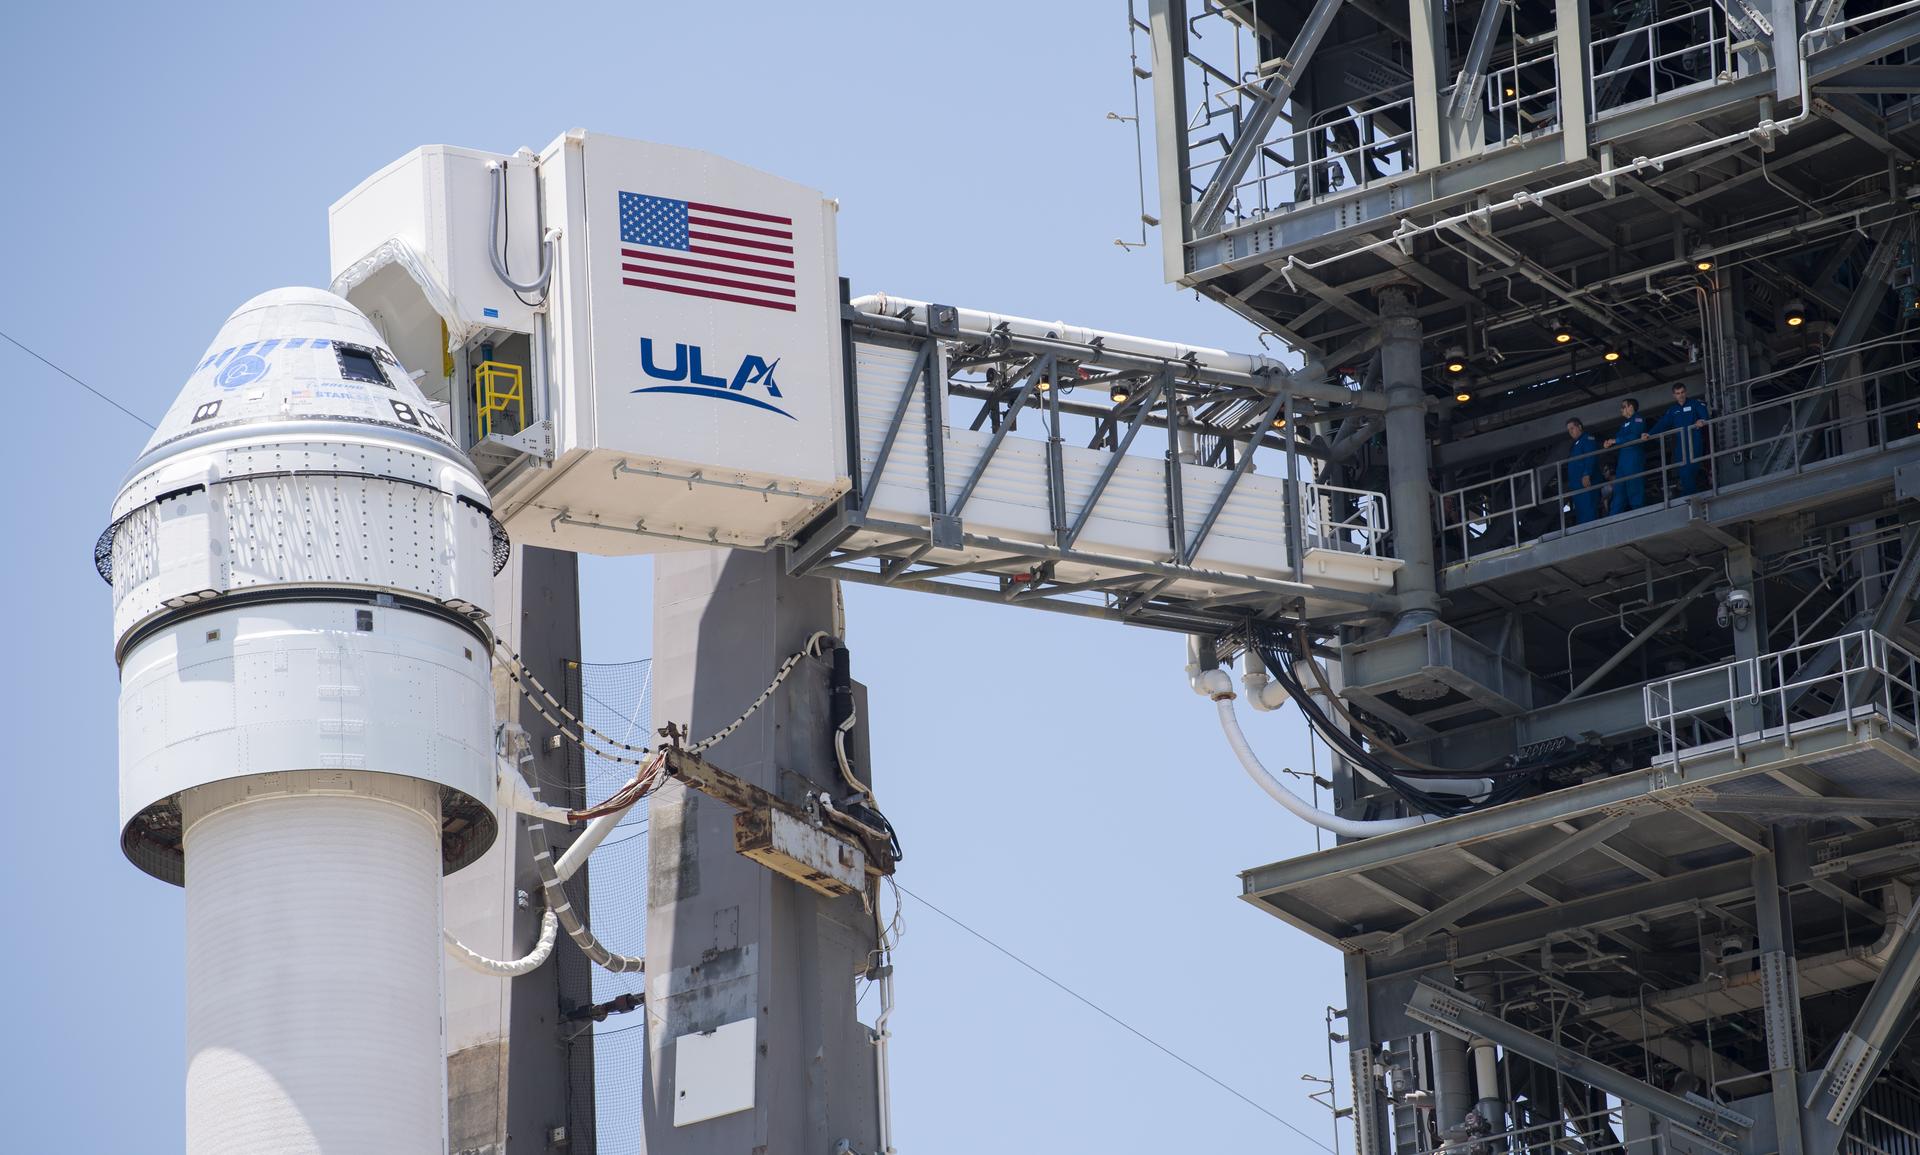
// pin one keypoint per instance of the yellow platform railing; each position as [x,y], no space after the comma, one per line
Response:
[497,388]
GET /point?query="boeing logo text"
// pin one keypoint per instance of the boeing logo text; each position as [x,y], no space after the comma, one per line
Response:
[687,367]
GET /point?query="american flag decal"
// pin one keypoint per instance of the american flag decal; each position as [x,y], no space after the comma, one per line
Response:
[706,250]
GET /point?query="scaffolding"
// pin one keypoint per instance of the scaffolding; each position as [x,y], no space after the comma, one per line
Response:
[1681,923]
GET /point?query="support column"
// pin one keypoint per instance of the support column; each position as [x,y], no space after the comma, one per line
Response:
[1781,1007]
[752,1041]
[1409,459]
[1749,636]
[512,1076]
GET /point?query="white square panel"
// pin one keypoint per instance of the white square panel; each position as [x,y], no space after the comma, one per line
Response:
[713,1072]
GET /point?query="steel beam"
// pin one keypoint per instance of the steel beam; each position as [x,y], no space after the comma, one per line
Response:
[1508,880]
[1854,115]
[1462,1015]
[1783,807]
[1409,460]
[1876,79]
[1473,69]
[1781,1001]
[729,941]
[1269,98]
[1640,639]
[1862,1053]
[1167,30]
[1864,48]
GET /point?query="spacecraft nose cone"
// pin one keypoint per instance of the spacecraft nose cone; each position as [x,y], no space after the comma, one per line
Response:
[297,355]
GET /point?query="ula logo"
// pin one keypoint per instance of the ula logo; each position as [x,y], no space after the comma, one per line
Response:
[686,367]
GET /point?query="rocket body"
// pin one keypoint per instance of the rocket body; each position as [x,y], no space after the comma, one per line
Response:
[301,564]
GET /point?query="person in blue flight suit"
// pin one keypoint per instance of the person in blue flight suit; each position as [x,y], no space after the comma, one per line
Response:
[1691,452]
[1583,472]
[1629,486]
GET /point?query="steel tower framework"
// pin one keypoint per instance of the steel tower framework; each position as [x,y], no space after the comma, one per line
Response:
[1687,931]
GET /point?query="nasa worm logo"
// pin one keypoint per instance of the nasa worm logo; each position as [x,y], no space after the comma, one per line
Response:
[242,370]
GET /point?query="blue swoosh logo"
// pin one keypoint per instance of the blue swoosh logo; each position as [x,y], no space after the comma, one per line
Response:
[721,394]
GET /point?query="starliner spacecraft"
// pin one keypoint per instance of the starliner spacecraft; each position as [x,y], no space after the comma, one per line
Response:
[310,749]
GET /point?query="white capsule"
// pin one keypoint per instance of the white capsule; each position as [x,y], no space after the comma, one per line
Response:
[302,560]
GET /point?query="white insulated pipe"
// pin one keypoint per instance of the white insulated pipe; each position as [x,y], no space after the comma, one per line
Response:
[575,856]
[981,321]
[313,965]
[1219,686]
[1307,383]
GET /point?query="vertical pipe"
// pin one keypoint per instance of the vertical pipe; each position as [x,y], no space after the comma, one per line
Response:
[1453,1089]
[1486,1082]
[1486,1061]
[1409,459]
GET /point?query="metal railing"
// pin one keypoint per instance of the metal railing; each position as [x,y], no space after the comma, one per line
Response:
[1778,436]
[1888,1122]
[497,390]
[1523,97]
[1338,518]
[1659,59]
[1739,702]
[1833,601]
[1331,154]
[1593,1133]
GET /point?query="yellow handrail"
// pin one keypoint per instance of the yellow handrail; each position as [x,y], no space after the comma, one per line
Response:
[497,386]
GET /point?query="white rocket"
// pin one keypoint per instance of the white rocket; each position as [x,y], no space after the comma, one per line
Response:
[301,563]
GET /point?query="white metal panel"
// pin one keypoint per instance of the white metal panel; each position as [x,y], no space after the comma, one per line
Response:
[438,199]
[684,421]
[713,1072]
[710,380]
[300,686]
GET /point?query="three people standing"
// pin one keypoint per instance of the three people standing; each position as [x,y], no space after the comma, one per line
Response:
[1629,487]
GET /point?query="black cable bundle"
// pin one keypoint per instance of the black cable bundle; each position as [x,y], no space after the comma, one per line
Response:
[1278,651]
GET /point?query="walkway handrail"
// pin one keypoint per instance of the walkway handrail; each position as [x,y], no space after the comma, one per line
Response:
[1763,693]
[1467,513]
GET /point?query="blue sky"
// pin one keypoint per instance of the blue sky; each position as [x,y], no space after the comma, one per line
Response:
[171,163]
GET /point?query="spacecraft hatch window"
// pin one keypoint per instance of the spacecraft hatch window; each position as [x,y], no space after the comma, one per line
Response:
[358,363]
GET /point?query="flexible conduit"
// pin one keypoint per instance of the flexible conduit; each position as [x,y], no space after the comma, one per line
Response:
[539,283]
[559,905]
[525,964]
[1218,685]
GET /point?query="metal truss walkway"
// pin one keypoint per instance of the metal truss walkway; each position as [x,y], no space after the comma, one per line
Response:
[1002,460]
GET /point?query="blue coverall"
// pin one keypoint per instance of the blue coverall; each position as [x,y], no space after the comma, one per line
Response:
[1629,487]
[1693,442]
[1582,466]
